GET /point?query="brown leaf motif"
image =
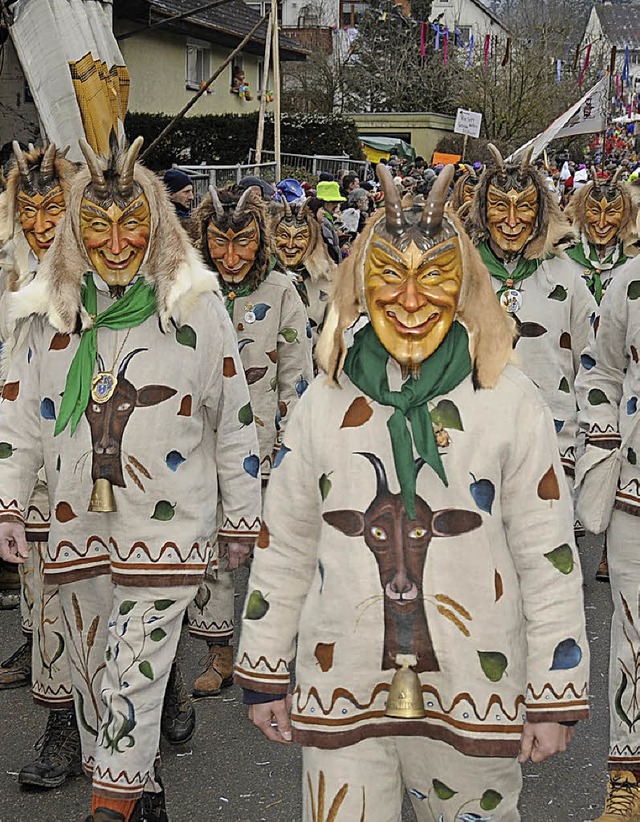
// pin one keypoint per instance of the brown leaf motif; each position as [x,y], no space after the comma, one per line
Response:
[548,487]
[59,342]
[264,536]
[565,340]
[634,353]
[324,654]
[64,512]
[253,375]
[627,610]
[273,355]
[497,581]
[11,390]
[357,413]
[228,367]
[185,406]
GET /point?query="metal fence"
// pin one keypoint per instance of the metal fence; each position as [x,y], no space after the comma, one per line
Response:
[204,176]
[312,164]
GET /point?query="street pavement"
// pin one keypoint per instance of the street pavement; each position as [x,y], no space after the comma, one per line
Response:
[229,772]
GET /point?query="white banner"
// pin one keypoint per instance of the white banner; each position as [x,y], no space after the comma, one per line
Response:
[74,68]
[587,116]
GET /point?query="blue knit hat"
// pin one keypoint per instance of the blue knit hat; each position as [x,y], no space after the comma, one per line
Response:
[175,180]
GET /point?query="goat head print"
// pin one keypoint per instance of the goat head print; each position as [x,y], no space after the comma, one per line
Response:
[399,545]
[108,420]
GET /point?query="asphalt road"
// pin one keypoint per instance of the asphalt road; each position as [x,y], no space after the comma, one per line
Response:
[228,772]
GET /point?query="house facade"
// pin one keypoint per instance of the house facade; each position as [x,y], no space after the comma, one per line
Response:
[615,24]
[468,17]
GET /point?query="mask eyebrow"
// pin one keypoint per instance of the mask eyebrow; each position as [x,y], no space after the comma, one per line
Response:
[437,251]
[388,250]
[135,206]
[95,210]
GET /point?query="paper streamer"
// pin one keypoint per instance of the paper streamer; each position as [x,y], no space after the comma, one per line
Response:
[626,72]
[585,65]
[487,48]
[470,52]
[436,28]
[445,47]
[558,71]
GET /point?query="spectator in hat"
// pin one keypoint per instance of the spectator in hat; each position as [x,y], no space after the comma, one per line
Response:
[291,190]
[329,192]
[349,183]
[180,190]
[267,190]
[325,177]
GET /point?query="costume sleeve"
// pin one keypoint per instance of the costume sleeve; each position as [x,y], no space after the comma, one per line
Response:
[599,383]
[583,308]
[21,449]
[538,518]
[284,562]
[295,365]
[236,442]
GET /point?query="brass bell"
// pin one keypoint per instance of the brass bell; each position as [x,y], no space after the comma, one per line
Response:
[405,695]
[102,499]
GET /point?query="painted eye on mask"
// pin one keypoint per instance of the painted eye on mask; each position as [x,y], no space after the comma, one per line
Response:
[417,533]
[390,274]
[379,533]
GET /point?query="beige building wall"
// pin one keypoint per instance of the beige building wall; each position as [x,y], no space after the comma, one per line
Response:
[157,68]
[424,129]
[18,117]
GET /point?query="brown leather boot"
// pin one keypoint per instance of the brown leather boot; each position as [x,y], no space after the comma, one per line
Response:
[218,674]
[622,803]
[602,574]
[16,671]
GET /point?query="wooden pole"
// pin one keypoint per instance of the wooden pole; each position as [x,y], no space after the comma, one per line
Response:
[263,94]
[464,146]
[276,86]
[170,126]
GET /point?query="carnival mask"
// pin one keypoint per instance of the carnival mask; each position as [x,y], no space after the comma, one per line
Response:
[292,242]
[39,216]
[469,189]
[603,217]
[511,217]
[116,238]
[234,251]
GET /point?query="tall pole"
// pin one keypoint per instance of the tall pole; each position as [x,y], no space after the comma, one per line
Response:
[276,85]
[263,93]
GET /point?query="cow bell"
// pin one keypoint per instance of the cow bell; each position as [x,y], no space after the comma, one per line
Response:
[102,499]
[405,695]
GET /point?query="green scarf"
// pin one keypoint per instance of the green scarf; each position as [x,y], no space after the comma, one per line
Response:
[133,308]
[450,363]
[525,268]
[595,265]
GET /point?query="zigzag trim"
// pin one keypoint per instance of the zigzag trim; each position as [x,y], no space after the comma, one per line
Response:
[632,488]
[281,663]
[33,509]
[624,751]
[242,524]
[197,549]
[548,688]
[113,781]
[48,690]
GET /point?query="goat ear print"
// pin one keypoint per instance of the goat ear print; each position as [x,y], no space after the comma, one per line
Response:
[350,523]
[154,395]
[450,522]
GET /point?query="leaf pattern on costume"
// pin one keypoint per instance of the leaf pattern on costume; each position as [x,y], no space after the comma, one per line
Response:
[257,605]
[558,425]
[531,330]
[498,585]
[597,397]
[357,413]
[559,293]
[632,457]
[565,340]
[633,290]
[548,487]
[185,335]
[185,406]
[564,386]
[164,511]
[174,460]
[253,375]
[490,800]
[64,512]
[251,465]
[587,362]
[145,669]
[301,386]
[243,343]
[261,310]
[632,405]
[324,483]
[290,335]
[264,537]
[47,409]
[59,342]
[634,353]
[273,355]
[245,414]
[157,635]
[493,664]
[6,450]
[11,390]
[447,415]
[566,655]
[483,492]
[324,655]
[443,792]
[282,453]
[561,558]
[229,367]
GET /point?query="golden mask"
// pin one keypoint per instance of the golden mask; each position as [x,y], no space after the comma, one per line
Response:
[39,216]
[603,217]
[292,242]
[412,296]
[116,239]
[511,218]
[234,252]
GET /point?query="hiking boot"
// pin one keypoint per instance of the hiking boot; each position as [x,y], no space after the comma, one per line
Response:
[105,815]
[622,803]
[153,808]
[218,674]
[178,721]
[602,574]
[59,749]
[9,578]
[16,671]
[9,600]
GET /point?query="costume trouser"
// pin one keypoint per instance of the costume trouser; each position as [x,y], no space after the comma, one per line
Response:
[624,660]
[51,677]
[122,642]
[211,613]
[26,590]
[364,782]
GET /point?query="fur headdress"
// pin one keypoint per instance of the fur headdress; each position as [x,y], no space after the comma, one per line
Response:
[552,232]
[576,210]
[316,258]
[491,331]
[171,264]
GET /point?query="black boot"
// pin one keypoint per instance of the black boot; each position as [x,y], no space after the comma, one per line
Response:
[153,808]
[59,752]
[16,671]
[105,815]
[178,721]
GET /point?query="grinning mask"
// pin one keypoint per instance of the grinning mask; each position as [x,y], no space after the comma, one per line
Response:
[40,199]
[604,211]
[115,217]
[413,273]
[292,237]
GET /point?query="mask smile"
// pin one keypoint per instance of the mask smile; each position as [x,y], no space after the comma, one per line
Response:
[412,324]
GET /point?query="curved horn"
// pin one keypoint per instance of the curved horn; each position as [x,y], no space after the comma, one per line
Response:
[594,174]
[247,195]
[471,171]
[497,157]
[433,209]
[31,147]
[101,366]
[394,218]
[124,364]
[287,208]
[614,179]
[381,474]
[63,153]
[419,463]
[47,168]
[21,162]
[125,183]
[217,205]
[98,181]
[526,160]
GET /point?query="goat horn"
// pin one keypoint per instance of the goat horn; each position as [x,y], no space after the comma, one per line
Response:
[594,174]
[93,164]
[381,474]
[125,184]
[497,157]
[614,179]
[287,208]
[127,360]
[526,160]
[31,147]
[101,366]
[47,168]
[217,205]
[63,153]
[471,171]
[433,209]
[247,195]
[21,162]
[394,218]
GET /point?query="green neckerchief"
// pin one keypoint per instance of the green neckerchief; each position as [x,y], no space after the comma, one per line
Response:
[241,290]
[450,363]
[136,305]
[525,268]
[595,265]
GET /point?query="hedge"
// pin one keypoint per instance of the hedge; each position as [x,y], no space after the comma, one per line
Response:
[225,139]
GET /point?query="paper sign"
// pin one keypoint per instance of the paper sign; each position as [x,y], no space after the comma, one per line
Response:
[468,122]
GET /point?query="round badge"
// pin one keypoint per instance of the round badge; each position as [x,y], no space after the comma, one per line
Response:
[103,386]
[249,317]
[511,300]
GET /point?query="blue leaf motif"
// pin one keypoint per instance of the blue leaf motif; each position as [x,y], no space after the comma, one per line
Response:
[301,386]
[483,492]
[260,310]
[251,465]
[632,405]
[174,460]
[559,425]
[587,362]
[282,453]
[29,356]
[309,333]
[567,654]
[48,409]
